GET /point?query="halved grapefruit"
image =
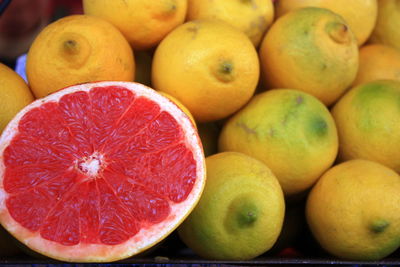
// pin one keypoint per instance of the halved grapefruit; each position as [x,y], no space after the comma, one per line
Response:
[98,172]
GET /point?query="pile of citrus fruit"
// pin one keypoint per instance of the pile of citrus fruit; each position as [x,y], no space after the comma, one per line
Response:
[236,125]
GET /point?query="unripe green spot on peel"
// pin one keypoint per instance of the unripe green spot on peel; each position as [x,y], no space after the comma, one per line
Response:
[378,226]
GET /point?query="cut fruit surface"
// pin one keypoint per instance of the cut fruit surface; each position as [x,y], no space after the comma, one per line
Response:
[98,171]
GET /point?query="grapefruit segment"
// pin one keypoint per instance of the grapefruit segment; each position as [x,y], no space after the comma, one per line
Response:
[98,171]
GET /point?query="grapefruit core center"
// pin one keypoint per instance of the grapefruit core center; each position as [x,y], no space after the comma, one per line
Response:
[92,165]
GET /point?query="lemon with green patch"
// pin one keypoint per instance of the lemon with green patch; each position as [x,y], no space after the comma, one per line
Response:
[292,132]
[310,49]
[240,213]
[353,213]
[368,122]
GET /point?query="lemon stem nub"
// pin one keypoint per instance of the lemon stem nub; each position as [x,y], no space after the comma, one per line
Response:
[379,226]
[226,68]
[339,32]
[71,47]
[224,71]
[247,217]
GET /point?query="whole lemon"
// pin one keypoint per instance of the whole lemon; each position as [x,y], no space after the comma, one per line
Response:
[240,213]
[360,15]
[292,132]
[209,66]
[310,49]
[368,122]
[253,17]
[352,211]
[78,49]
[143,23]
[14,95]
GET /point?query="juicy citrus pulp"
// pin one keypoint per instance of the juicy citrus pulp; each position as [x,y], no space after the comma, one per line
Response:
[98,172]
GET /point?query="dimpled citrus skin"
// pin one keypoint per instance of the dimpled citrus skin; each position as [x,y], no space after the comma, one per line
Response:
[209,66]
[361,15]
[240,213]
[253,17]
[368,123]
[77,49]
[386,30]
[310,49]
[353,213]
[290,131]
[143,23]
[378,62]
[14,95]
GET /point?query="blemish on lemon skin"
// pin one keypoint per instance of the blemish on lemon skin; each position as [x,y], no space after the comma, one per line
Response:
[299,100]
[271,132]
[194,30]
[378,226]
[246,128]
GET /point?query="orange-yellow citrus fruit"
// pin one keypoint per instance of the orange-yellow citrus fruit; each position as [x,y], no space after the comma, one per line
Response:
[209,66]
[144,23]
[77,49]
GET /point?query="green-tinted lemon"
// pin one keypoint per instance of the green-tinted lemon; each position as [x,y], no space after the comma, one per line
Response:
[290,131]
[386,29]
[240,213]
[312,50]
[368,123]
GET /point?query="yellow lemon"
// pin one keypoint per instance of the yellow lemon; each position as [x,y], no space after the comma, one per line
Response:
[378,62]
[387,26]
[352,211]
[253,17]
[290,131]
[310,49]
[14,95]
[240,213]
[143,23]
[368,123]
[209,66]
[78,49]
[360,15]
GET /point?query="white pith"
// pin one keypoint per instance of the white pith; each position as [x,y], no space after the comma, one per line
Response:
[145,238]
[92,165]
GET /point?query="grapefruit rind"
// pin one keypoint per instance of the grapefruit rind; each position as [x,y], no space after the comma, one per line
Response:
[145,238]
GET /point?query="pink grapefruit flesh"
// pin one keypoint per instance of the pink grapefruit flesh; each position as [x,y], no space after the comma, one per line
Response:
[98,171]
